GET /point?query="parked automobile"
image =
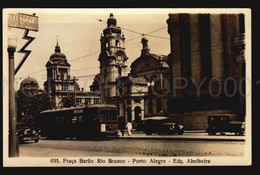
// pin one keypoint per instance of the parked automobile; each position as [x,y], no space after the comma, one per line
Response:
[225,123]
[25,133]
[161,125]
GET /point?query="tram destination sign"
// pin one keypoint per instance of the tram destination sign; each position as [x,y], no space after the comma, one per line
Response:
[23,21]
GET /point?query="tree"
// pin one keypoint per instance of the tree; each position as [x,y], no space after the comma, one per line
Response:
[30,104]
[67,102]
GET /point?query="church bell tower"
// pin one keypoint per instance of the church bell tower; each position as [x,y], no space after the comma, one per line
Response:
[112,59]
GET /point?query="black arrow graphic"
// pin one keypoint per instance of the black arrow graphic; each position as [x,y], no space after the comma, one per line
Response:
[22,50]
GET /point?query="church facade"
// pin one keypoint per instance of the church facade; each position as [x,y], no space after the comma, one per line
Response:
[139,94]
[155,70]
[60,85]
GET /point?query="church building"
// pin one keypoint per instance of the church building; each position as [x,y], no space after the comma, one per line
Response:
[127,93]
[143,91]
[155,70]
[61,85]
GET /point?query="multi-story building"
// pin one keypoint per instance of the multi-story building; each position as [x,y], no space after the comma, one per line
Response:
[155,70]
[208,67]
[112,59]
[141,93]
[61,85]
[116,86]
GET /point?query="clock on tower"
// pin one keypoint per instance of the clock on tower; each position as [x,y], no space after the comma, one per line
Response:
[112,57]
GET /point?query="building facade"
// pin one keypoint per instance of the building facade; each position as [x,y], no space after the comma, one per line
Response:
[60,85]
[112,59]
[141,93]
[208,67]
[117,88]
[156,71]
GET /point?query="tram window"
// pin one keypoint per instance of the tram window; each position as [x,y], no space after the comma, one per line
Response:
[104,115]
[74,119]
[224,119]
[113,114]
[62,120]
[58,119]
[80,119]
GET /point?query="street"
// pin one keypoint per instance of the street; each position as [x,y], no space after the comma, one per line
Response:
[134,147]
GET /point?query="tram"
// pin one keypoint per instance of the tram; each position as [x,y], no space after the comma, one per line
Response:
[83,122]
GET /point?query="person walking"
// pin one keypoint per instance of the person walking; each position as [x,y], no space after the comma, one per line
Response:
[129,128]
[121,125]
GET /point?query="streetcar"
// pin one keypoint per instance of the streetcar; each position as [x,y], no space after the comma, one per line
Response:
[82,122]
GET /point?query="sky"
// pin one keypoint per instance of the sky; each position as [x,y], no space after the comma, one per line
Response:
[78,32]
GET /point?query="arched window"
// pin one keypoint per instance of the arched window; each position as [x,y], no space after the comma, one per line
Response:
[117,43]
[62,76]
[137,114]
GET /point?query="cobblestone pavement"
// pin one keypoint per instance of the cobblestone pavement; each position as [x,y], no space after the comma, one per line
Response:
[131,147]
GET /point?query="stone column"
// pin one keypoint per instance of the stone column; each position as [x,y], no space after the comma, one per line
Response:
[216,42]
[174,31]
[195,49]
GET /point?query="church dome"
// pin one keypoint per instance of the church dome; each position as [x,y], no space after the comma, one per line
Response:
[57,55]
[29,83]
[29,80]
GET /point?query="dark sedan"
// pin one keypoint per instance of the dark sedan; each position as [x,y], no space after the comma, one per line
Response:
[161,125]
[25,133]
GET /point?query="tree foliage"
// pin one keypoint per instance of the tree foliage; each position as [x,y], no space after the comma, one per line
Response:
[30,104]
[67,102]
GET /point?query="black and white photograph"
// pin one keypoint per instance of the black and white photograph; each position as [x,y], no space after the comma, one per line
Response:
[126,87]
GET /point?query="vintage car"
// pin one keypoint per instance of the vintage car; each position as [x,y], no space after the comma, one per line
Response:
[25,133]
[224,123]
[161,125]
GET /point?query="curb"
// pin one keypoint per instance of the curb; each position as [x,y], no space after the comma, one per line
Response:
[182,138]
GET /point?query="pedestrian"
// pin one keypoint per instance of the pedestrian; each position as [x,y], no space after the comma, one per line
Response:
[121,125]
[129,127]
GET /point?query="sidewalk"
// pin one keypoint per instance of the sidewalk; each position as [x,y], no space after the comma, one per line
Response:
[187,135]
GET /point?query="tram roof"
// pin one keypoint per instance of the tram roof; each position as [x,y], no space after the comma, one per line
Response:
[63,109]
[101,106]
[80,107]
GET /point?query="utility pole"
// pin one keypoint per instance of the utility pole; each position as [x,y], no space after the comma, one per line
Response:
[74,82]
[13,137]
[27,22]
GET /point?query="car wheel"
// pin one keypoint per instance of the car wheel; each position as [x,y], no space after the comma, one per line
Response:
[242,133]
[21,141]
[36,140]
[180,133]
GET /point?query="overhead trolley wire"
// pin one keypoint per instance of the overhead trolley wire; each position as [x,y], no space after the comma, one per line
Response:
[129,30]
[100,20]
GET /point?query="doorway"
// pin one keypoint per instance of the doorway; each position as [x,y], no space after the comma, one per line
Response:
[129,114]
[137,114]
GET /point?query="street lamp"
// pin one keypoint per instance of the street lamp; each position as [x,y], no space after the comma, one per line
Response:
[13,139]
[150,90]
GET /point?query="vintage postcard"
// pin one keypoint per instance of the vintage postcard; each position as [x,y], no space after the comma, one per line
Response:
[126,87]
